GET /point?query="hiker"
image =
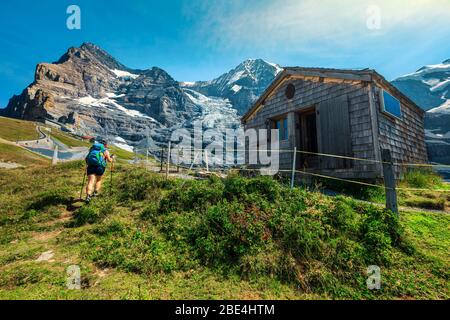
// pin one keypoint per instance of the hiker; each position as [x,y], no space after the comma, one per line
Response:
[96,162]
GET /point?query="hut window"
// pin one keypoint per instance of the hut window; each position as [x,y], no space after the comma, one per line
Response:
[390,104]
[282,126]
[290,91]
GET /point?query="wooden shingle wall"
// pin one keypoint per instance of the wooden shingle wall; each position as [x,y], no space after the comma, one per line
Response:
[405,137]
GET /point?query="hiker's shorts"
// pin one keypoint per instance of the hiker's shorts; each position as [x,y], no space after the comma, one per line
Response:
[95,170]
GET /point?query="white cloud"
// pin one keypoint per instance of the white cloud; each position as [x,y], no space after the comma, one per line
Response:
[299,24]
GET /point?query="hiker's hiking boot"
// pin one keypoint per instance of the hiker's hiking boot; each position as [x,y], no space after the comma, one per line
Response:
[88,199]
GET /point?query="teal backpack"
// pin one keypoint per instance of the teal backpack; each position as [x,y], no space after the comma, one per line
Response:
[96,156]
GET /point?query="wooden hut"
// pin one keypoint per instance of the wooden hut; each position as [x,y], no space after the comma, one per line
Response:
[349,113]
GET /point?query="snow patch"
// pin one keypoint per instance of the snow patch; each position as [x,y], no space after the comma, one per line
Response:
[109,102]
[438,136]
[113,95]
[440,85]
[88,100]
[445,108]
[187,84]
[120,139]
[236,88]
[236,77]
[431,82]
[278,69]
[124,146]
[442,67]
[124,74]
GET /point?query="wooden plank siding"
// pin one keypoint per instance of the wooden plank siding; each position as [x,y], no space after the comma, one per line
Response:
[335,137]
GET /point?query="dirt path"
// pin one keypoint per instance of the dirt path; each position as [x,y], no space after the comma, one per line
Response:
[9,165]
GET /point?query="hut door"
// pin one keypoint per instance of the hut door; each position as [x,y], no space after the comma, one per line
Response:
[334,133]
[308,139]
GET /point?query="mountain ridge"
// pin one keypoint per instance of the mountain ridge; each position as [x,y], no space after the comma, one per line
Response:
[88,91]
[241,85]
[429,87]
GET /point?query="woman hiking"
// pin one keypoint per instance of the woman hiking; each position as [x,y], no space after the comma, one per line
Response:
[96,161]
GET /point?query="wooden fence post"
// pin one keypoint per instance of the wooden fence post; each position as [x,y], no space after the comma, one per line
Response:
[206,160]
[294,168]
[168,162]
[178,160]
[162,159]
[389,181]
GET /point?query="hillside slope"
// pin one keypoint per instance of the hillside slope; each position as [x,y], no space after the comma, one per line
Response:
[236,238]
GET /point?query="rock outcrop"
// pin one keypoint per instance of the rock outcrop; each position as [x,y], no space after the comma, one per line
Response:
[107,97]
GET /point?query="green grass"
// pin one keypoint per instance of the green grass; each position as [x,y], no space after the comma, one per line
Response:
[422,178]
[236,238]
[120,153]
[432,198]
[14,154]
[71,141]
[14,130]
[431,232]
[68,140]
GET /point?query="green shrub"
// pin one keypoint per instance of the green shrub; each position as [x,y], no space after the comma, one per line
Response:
[141,251]
[97,210]
[139,185]
[380,231]
[193,195]
[86,215]
[230,230]
[150,212]
[29,214]
[50,198]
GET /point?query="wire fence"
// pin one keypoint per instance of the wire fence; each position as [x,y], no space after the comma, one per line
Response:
[202,164]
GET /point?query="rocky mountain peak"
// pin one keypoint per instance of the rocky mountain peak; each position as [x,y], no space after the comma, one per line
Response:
[257,67]
[242,85]
[159,76]
[89,53]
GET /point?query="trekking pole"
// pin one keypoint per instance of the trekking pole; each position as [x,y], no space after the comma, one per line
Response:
[82,186]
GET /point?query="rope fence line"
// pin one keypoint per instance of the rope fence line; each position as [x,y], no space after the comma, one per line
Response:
[389,180]
[333,178]
[335,156]
[191,169]
[202,156]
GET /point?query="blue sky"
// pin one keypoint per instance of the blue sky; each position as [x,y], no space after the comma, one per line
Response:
[201,39]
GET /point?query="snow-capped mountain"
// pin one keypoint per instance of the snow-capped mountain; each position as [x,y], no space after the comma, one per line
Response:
[429,87]
[90,92]
[242,86]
